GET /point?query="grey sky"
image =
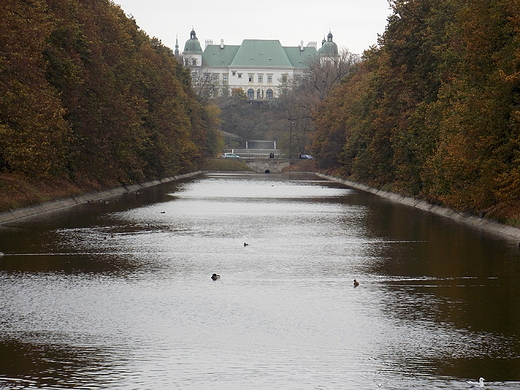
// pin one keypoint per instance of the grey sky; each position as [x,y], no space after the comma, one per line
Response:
[355,24]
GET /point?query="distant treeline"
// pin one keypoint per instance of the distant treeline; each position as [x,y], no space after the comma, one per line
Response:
[434,110]
[86,95]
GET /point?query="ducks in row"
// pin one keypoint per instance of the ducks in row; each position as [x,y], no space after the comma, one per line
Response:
[217,277]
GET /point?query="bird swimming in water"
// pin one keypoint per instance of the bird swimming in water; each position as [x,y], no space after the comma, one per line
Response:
[246,244]
[480,382]
[356,283]
[215,277]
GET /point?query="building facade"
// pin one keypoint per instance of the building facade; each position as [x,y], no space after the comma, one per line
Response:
[258,67]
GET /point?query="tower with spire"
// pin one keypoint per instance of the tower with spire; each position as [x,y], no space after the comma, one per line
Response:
[192,52]
[329,50]
[176,52]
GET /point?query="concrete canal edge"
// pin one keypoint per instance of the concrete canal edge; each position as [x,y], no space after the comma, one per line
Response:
[472,220]
[12,215]
[481,223]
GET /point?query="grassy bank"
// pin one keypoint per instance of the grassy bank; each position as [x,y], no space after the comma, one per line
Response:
[301,166]
[18,191]
[225,165]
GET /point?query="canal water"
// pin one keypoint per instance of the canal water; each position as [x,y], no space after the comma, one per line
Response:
[119,295]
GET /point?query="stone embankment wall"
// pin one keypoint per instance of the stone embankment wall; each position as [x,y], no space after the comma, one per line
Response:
[263,164]
[482,223]
[85,198]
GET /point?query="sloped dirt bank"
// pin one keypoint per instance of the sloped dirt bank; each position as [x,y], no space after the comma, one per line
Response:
[24,212]
[481,223]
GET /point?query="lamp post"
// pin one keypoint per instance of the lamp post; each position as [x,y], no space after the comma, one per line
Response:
[290,140]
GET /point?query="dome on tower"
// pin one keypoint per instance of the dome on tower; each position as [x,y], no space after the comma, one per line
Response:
[328,47]
[192,45]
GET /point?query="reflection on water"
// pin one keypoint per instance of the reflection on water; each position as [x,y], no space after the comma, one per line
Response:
[119,295]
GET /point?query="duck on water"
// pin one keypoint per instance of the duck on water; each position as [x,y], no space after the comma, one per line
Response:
[480,382]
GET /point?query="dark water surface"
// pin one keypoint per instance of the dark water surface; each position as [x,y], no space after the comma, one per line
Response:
[119,295]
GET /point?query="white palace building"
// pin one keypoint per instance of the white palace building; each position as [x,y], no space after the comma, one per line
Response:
[258,67]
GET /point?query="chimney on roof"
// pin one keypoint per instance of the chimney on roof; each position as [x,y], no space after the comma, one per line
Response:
[221,43]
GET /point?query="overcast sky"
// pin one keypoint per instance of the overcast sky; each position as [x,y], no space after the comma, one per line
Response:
[355,24]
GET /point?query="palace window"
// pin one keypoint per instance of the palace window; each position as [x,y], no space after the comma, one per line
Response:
[251,77]
[269,78]
[269,93]
[284,78]
[239,75]
[224,78]
[250,94]
[260,78]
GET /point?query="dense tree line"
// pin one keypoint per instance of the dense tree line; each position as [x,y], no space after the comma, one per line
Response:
[434,109]
[85,94]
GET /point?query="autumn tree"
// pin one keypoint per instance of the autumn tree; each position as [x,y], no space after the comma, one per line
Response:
[474,165]
[298,104]
[33,132]
[323,73]
[88,96]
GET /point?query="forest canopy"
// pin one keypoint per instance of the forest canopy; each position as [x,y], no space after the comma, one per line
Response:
[433,110]
[86,95]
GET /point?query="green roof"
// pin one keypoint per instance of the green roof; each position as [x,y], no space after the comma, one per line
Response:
[329,49]
[255,53]
[300,59]
[216,57]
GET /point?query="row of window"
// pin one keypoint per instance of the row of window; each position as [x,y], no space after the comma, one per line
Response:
[251,77]
[259,94]
[225,77]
